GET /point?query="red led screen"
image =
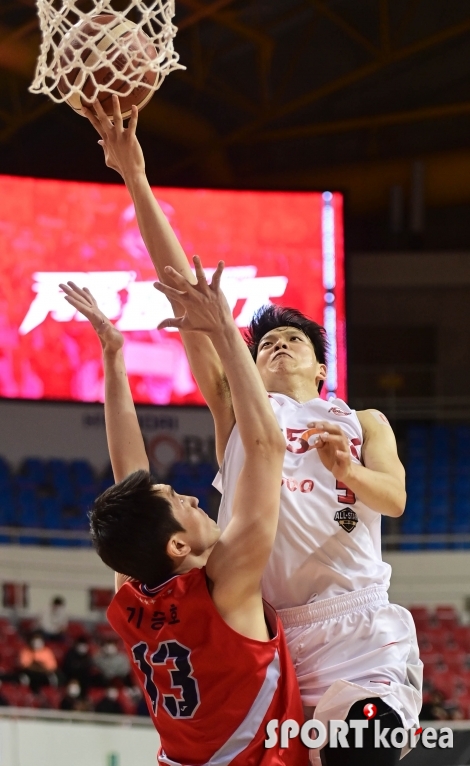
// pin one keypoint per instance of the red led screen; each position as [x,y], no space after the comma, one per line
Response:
[278,247]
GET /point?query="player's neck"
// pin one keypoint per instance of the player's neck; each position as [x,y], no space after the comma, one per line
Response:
[300,390]
[194,562]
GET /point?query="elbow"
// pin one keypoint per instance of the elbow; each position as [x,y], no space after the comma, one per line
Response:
[399,506]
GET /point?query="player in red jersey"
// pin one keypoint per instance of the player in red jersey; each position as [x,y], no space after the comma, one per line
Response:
[210,655]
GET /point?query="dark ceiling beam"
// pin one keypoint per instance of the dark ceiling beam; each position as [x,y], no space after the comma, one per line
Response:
[349,78]
[230,21]
[18,121]
[365,123]
[203,13]
[345,26]
[406,20]
[303,43]
[367,184]
[384,16]
[17,54]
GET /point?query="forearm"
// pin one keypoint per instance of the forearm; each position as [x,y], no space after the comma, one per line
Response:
[379,491]
[160,240]
[165,250]
[253,412]
[125,443]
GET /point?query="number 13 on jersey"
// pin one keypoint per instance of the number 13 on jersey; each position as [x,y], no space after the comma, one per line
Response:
[181,675]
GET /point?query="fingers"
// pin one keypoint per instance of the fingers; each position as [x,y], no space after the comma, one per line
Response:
[117,116]
[83,308]
[132,127]
[175,322]
[342,457]
[217,276]
[84,293]
[170,292]
[200,275]
[103,118]
[177,277]
[335,440]
[94,121]
[330,428]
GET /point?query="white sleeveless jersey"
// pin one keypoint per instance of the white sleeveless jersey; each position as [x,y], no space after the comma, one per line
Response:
[328,541]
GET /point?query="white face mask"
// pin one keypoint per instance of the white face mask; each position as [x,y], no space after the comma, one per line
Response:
[110,649]
[73,690]
[37,643]
[82,648]
[112,693]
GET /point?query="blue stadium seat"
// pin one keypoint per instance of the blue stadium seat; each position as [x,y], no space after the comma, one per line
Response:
[51,512]
[82,475]
[5,473]
[34,470]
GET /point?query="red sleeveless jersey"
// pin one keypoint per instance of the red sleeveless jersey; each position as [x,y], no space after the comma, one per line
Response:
[210,690]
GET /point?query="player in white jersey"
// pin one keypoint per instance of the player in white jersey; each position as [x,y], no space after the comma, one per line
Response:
[341,473]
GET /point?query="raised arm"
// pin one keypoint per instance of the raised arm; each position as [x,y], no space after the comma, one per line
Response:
[125,442]
[124,154]
[237,562]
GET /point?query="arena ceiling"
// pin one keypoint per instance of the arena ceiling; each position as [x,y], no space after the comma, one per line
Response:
[277,93]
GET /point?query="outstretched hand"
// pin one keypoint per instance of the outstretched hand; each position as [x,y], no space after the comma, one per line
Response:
[333,450]
[110,338]
[122,151]
[205,306]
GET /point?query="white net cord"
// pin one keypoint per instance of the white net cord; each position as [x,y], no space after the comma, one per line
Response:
[102,49]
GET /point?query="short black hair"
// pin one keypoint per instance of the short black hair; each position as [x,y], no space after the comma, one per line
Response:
[131,524]
[271,317]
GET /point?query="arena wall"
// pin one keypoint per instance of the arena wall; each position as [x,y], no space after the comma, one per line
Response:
[427,577]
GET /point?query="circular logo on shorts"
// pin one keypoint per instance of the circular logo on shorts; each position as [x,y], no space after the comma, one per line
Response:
[370,711]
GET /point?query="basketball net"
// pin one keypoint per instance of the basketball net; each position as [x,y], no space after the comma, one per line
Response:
[136,42]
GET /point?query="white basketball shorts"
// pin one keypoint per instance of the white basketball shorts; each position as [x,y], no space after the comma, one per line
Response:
[352,647]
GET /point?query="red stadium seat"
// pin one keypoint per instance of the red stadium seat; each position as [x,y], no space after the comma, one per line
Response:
[447,615]
[18,695]
[75,629]
[104,631]
[461,635]
[52,696]
[455,659]
[95,694]
[420,614]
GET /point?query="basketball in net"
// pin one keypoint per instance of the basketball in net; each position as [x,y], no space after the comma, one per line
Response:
[92,51]
[124,49]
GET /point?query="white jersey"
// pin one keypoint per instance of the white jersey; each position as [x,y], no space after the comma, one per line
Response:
[328,541]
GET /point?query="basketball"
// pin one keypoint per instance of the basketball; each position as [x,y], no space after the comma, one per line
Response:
[124,46]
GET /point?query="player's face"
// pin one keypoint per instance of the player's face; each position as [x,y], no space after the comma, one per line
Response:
[286,350]
[201,532]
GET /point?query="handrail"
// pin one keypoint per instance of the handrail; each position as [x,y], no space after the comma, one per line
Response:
[388,539]
[48,534]
[74,716]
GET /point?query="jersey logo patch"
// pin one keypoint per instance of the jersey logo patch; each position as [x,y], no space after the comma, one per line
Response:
[337,411]
[347,519]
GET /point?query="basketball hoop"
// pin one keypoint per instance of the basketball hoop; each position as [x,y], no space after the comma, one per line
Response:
[104,50]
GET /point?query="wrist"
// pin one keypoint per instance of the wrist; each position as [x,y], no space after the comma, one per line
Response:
[134,177]
[109,353]
[225,334]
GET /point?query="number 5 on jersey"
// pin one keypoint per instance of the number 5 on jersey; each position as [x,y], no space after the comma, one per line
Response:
[188,700]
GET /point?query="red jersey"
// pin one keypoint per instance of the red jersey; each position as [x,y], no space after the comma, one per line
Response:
[210,690]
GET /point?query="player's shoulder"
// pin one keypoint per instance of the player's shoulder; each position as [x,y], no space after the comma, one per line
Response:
[375,425]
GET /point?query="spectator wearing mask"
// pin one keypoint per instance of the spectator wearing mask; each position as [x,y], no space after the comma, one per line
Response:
[74,698]
[54,621]
[78,664]
[110,702]
[112,663]
[38,663]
